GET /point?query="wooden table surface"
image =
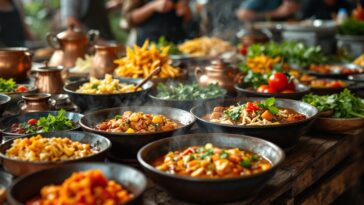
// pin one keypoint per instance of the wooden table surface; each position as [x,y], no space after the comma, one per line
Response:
[316,171]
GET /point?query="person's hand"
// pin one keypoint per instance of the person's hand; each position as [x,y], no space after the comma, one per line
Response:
[286,8]
[163,6]
[183,10]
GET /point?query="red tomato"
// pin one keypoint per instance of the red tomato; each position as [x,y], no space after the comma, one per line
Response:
[21,89]
[287,91]
[336,84]
[32,121]
[278,81]
[244,50]
[269,90]
[262,88]
[251,107]
[291,86]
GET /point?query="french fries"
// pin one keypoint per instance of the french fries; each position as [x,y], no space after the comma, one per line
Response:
[139,62]
[205,46]
[359,61]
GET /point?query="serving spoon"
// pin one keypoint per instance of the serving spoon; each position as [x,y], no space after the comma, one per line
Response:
[154,72]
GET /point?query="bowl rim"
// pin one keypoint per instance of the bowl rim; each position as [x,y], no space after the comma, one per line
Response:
[308,118]
[8,98]
[7,133]
[148,166]
[149,84]
[340,119]
[66,166]
[30,87]
[4,157]
[136,135]
[336,74]
[305,89]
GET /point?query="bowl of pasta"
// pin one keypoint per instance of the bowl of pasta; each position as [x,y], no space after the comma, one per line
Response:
[30,153]
[95,94]
[130,128]
[119,184]
[211,168]
[280,121]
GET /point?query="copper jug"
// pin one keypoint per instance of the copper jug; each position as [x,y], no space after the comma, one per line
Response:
[49,79]
[70,44]
[103,61]
[217,72]
[15,63]
[36,103]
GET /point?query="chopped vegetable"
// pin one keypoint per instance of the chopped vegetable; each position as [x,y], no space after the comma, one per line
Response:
[173,49]
[7,86]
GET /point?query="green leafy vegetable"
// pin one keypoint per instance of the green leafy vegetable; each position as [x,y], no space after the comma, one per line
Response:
[269,104]
[7,86]
[343,105]
[188,92]
[173,49]
[246,163]
[234,113]
[351,27]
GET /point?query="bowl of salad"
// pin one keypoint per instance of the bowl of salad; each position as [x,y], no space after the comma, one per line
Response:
[339,113]
[39,122]
[185,96]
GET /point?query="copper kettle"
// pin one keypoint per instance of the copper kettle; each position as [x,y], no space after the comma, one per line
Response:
[217,72]
[70,44]
[103,61]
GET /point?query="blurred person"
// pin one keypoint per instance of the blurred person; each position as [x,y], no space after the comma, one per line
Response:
[13,30]
[152,19]
[257,10]
[87,14]
[323,9]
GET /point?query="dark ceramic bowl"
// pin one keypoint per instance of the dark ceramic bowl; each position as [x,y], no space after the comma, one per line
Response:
[284,135]
[4,102]
[338,125]
[337,75]
[245,91]
[92,102]
[20,167]
[357,78]
[208,191]
[126,145]
[28,187]
[181,104]
[5,123]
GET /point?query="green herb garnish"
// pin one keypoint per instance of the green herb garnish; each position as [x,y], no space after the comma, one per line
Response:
[234,113]
[224,154]
[7,86]
[246,163]
[269,104]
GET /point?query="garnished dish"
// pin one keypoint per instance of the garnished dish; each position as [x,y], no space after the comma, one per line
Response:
[179,91]
[84,187]
[44,124]
[342,105]
[108,85]
[327,83]
[137,122]
[334,69]
[139,62]
[9,86]
[205,47]
[210,161]
[254,113]
[39,149]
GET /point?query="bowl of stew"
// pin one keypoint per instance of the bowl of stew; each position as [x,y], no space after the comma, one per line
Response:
[211,168]
[280,121]
[130,128]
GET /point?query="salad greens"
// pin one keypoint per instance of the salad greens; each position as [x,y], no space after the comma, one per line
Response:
[188,92]
[173,49]
[351,27]
[7,86]
[294,53]
[343,105]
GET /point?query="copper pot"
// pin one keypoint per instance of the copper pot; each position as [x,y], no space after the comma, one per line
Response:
[15,63]
[103,61]
[217,72]
[49,79]
[36,103]
[70,44]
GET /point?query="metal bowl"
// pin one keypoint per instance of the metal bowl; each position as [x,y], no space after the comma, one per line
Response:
[92,102]
[338,75]
[328,91]
[126,145]
[17,96]
[28,187]
[284,135]
[208,191]
[5,123]
[4,102]
[20,167]
[245,91]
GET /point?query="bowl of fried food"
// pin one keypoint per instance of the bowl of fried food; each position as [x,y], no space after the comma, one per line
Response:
[109,92]
[30,153]
[74,183]
[139,62]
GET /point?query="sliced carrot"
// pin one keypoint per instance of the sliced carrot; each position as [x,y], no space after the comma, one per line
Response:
[267,115]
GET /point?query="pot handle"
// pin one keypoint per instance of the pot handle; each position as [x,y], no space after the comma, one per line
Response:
[93,36]
[53,41]
[198,72]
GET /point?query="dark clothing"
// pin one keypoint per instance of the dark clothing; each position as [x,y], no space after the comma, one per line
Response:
[12,32]
[319,10]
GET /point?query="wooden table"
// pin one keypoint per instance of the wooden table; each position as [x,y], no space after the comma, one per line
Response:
[318,170]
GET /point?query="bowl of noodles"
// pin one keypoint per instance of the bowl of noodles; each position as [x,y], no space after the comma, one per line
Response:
[280,121]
